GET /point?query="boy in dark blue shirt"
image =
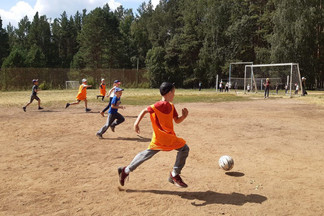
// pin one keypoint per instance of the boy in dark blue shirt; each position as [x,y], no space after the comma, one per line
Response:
[113,114]
[34,95]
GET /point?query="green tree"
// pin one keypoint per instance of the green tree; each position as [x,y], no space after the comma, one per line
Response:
[4,43]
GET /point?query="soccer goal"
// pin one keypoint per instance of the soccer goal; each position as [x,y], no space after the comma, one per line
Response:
[284,76]
[236,74]
[72,84]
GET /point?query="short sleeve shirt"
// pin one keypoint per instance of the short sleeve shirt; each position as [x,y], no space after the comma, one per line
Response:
[34,90]
[114,101]
[164,107]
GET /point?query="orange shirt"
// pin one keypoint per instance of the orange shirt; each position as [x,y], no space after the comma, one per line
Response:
[164,137]
[82,94]
[102,89]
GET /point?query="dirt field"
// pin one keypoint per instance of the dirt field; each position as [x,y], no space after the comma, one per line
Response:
[51,162]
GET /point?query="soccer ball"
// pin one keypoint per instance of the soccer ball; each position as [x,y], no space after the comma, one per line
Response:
[226,162]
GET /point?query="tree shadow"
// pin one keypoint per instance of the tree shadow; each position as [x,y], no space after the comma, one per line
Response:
[50,111]
[137,139]
[235,174]
[130,116]
[209,197]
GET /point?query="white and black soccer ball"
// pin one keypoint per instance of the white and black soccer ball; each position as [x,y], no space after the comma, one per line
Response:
[226,162]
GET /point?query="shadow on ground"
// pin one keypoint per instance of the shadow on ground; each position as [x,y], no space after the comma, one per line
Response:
[209,197]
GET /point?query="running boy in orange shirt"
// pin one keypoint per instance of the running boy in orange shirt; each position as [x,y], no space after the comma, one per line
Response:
[102,90]
[164,138]
[82,95]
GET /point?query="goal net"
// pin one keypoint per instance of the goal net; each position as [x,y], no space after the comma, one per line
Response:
[72,84]
[284,78]
[236,74]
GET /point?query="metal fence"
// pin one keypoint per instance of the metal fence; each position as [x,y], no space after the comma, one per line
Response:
[54,78]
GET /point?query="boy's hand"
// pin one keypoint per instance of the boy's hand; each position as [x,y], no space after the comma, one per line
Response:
[137,129]
[185,112]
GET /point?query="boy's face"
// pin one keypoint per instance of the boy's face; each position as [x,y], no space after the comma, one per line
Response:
[36,83]
[118,94]
[172,93]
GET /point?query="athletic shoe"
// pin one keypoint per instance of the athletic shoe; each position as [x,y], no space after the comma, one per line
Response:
[102,113]
[24,108]
[87,110]
[40,108]
[99,136]
[112,128]
[122,175]
[67,105]
[177,181]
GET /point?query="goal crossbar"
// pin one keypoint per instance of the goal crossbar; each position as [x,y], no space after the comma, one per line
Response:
[274,65]
[236,63]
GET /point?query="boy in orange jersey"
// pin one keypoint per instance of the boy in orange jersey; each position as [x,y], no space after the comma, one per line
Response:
[102,90]
[111,94]
[34,95]
[164,138]
[82,95]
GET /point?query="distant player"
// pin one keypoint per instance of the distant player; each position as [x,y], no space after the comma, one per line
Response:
[111,94]
[297,88]
[304,86]
[82,95]
[34,95]
[162,115]
[113,114]
[266,88]
[102,90]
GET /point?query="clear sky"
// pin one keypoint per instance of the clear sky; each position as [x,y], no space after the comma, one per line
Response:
[14,10]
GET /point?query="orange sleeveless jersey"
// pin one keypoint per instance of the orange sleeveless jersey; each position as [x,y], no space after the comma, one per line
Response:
[164,137]
[82,94]
[102,89]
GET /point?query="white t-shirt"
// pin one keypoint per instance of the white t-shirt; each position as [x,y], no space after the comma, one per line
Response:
[112,94]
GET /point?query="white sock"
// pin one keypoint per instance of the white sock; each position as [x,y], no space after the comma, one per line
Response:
[173,173]
[127,170]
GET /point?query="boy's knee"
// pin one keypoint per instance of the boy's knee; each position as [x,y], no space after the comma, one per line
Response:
[185,148]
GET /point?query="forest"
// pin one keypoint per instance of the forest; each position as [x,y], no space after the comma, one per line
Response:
[183,41]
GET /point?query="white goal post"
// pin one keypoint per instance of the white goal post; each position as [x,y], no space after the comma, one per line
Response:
[72,84]
[236,63]
[290,77]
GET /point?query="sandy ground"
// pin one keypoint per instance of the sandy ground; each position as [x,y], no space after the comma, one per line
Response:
[51,162]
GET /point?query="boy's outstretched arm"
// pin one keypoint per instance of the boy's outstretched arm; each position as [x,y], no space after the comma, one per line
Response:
[139,119]
[185,113]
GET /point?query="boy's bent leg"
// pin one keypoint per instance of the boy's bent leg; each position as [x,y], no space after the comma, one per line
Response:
[120,119]
[141,158]
[110,119]
[174,177]
[123,172]
[181,159]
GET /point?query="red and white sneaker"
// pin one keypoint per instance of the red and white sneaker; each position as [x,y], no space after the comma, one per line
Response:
[177,181]
[122,175]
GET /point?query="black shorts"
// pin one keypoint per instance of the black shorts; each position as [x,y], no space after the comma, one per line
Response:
[34,97]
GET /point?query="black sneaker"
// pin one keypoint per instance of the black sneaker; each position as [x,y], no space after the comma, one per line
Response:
[67,105]
[177,181]
[24,108]
[99,136]
[87,110]
[122,175]
[40,108]
[112,128]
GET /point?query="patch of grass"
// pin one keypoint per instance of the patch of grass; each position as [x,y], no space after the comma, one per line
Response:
[58,98]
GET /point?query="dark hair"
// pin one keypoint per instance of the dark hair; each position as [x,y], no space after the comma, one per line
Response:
[165,87]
